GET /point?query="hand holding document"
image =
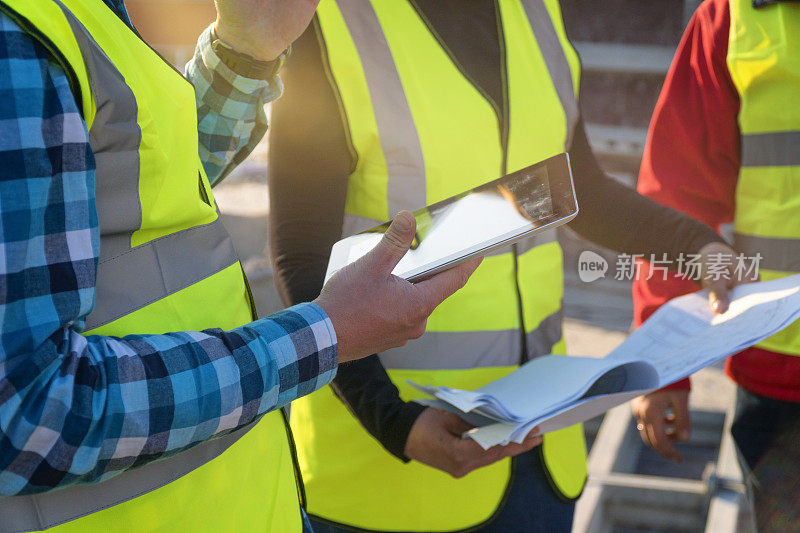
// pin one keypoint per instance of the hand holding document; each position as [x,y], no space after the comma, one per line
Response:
[683,336]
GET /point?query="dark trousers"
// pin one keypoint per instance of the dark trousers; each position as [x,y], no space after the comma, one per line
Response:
[767,435]
[531,505]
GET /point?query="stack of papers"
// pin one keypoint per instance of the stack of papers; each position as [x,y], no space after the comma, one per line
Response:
[683,336]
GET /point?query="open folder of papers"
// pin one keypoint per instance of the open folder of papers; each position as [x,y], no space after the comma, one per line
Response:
[683,336]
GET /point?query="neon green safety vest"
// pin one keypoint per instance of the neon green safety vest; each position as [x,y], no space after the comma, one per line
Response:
[421,133]
[166,264]
[764,62]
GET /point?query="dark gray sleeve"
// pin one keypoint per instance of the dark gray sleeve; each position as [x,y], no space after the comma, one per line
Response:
[619,218]
[309,163]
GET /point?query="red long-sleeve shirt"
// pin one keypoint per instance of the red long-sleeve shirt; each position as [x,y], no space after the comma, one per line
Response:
[691,163]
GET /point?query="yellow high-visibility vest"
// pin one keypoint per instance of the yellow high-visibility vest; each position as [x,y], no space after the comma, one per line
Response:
[764,63]
[166,264]
[421,132]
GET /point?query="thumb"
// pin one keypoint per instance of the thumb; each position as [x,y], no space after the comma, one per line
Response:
[394,244]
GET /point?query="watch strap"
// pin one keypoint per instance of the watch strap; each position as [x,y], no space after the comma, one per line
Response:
[246,65]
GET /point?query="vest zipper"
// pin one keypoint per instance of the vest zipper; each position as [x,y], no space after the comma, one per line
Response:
[504,135]
[298,475]
[552,482]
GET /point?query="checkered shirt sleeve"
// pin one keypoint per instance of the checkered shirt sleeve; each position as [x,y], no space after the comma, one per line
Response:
[230,109]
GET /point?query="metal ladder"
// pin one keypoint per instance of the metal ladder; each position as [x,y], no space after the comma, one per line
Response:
[617,499]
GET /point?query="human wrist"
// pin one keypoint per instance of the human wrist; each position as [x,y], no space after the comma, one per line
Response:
[235,37]
[339,323]
[703,239]
[395,439]
[244,64]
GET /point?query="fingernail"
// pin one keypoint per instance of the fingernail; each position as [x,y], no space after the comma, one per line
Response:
[403,220]
[715,305]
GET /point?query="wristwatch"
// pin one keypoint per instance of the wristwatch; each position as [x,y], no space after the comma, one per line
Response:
[246,65]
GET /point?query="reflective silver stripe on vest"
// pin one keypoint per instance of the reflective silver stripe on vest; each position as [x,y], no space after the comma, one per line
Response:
[356,224]
[115,137]
[474,349]
[541,340]
[778,149]
[43,511]
[396,129]
[556,61]
[779,254]
[156,269]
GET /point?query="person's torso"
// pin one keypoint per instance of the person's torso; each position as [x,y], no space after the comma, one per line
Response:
[424,130]
[166,264]
[764,63]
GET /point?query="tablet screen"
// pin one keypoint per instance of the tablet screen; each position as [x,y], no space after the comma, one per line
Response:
[498,212]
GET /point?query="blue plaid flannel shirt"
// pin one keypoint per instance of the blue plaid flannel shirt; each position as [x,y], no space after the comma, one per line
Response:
[77,409]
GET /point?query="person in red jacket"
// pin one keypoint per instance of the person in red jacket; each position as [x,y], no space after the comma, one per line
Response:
[692,162]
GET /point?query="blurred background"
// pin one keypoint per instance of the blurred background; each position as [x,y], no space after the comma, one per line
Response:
[626,47]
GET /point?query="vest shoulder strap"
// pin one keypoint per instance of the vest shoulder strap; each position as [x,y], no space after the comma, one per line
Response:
[65,54]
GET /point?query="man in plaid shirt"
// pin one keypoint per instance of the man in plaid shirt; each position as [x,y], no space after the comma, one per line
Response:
[54,381]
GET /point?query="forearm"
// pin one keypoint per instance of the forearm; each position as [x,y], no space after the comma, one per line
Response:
[309,168]
[230,109]
[91,407]
[617,217]
[302,233]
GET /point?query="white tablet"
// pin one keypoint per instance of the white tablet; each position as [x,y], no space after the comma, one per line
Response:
[476,222]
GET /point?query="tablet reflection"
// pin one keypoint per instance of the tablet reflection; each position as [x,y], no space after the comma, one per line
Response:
[466,222]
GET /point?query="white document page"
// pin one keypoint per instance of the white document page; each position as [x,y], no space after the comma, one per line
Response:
[568,415]
[537,387]
[684,335]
